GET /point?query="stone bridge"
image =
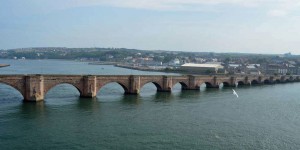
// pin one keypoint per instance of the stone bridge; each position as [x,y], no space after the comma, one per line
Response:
[35,87]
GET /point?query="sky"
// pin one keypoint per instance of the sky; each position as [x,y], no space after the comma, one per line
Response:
[245,26]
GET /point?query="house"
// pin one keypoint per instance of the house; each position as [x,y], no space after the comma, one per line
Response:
[253,69]
[276,69]
[234,68]
[174,62]
[292,69]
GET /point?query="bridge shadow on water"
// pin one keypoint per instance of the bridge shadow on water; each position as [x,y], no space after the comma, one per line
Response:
[39,110]
[131,100]
[88,104]
[163,97]
[188,95]
[139,99]
[32,110]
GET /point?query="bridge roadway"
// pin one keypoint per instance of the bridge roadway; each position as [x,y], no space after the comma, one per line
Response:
[35,87]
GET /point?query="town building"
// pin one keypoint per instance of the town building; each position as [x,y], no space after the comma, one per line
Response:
[202,68]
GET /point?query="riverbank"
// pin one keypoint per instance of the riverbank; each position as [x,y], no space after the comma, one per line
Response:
[152,69]
[4,65]
[102,63]
[137,67]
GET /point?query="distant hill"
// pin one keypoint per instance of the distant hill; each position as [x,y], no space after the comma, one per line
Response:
[119,54]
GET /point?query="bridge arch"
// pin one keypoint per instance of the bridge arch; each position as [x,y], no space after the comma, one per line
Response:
[204,83]
[125,88]
[225,84]
[15,88]
[183,85]
[241,83]
[277,81]
[53,86]
[267,81]
[208,84]
[254,82]
[158,86]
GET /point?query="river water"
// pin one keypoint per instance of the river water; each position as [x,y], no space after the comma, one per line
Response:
[263,117]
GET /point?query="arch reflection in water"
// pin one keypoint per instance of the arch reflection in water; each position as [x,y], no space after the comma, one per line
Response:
[132,99]
[111,92]
[62,91]
[162,97]
[62,94]
[32,110]
[202,87]
[149,89]
[88,104]
[223,85]
[177,88]
[188,95]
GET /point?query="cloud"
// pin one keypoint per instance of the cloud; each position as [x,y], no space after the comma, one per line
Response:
[284,8]
[277,13]
[164,4]
[272,7]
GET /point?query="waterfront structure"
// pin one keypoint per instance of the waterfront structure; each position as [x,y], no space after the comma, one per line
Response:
[276,69]
[202,68]
[282,69]
[253,69]
[234,68]
[35,87]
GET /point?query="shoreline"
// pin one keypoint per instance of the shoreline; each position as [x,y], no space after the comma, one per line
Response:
[150,69]
[102,63]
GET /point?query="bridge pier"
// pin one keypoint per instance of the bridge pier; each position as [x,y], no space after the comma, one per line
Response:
[246,81]
[232,83]
[167,85]
[134,85]
[214,83]
[192,84]
[89,87]
[34,88]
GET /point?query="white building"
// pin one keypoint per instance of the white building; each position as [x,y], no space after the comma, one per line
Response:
[202,68]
